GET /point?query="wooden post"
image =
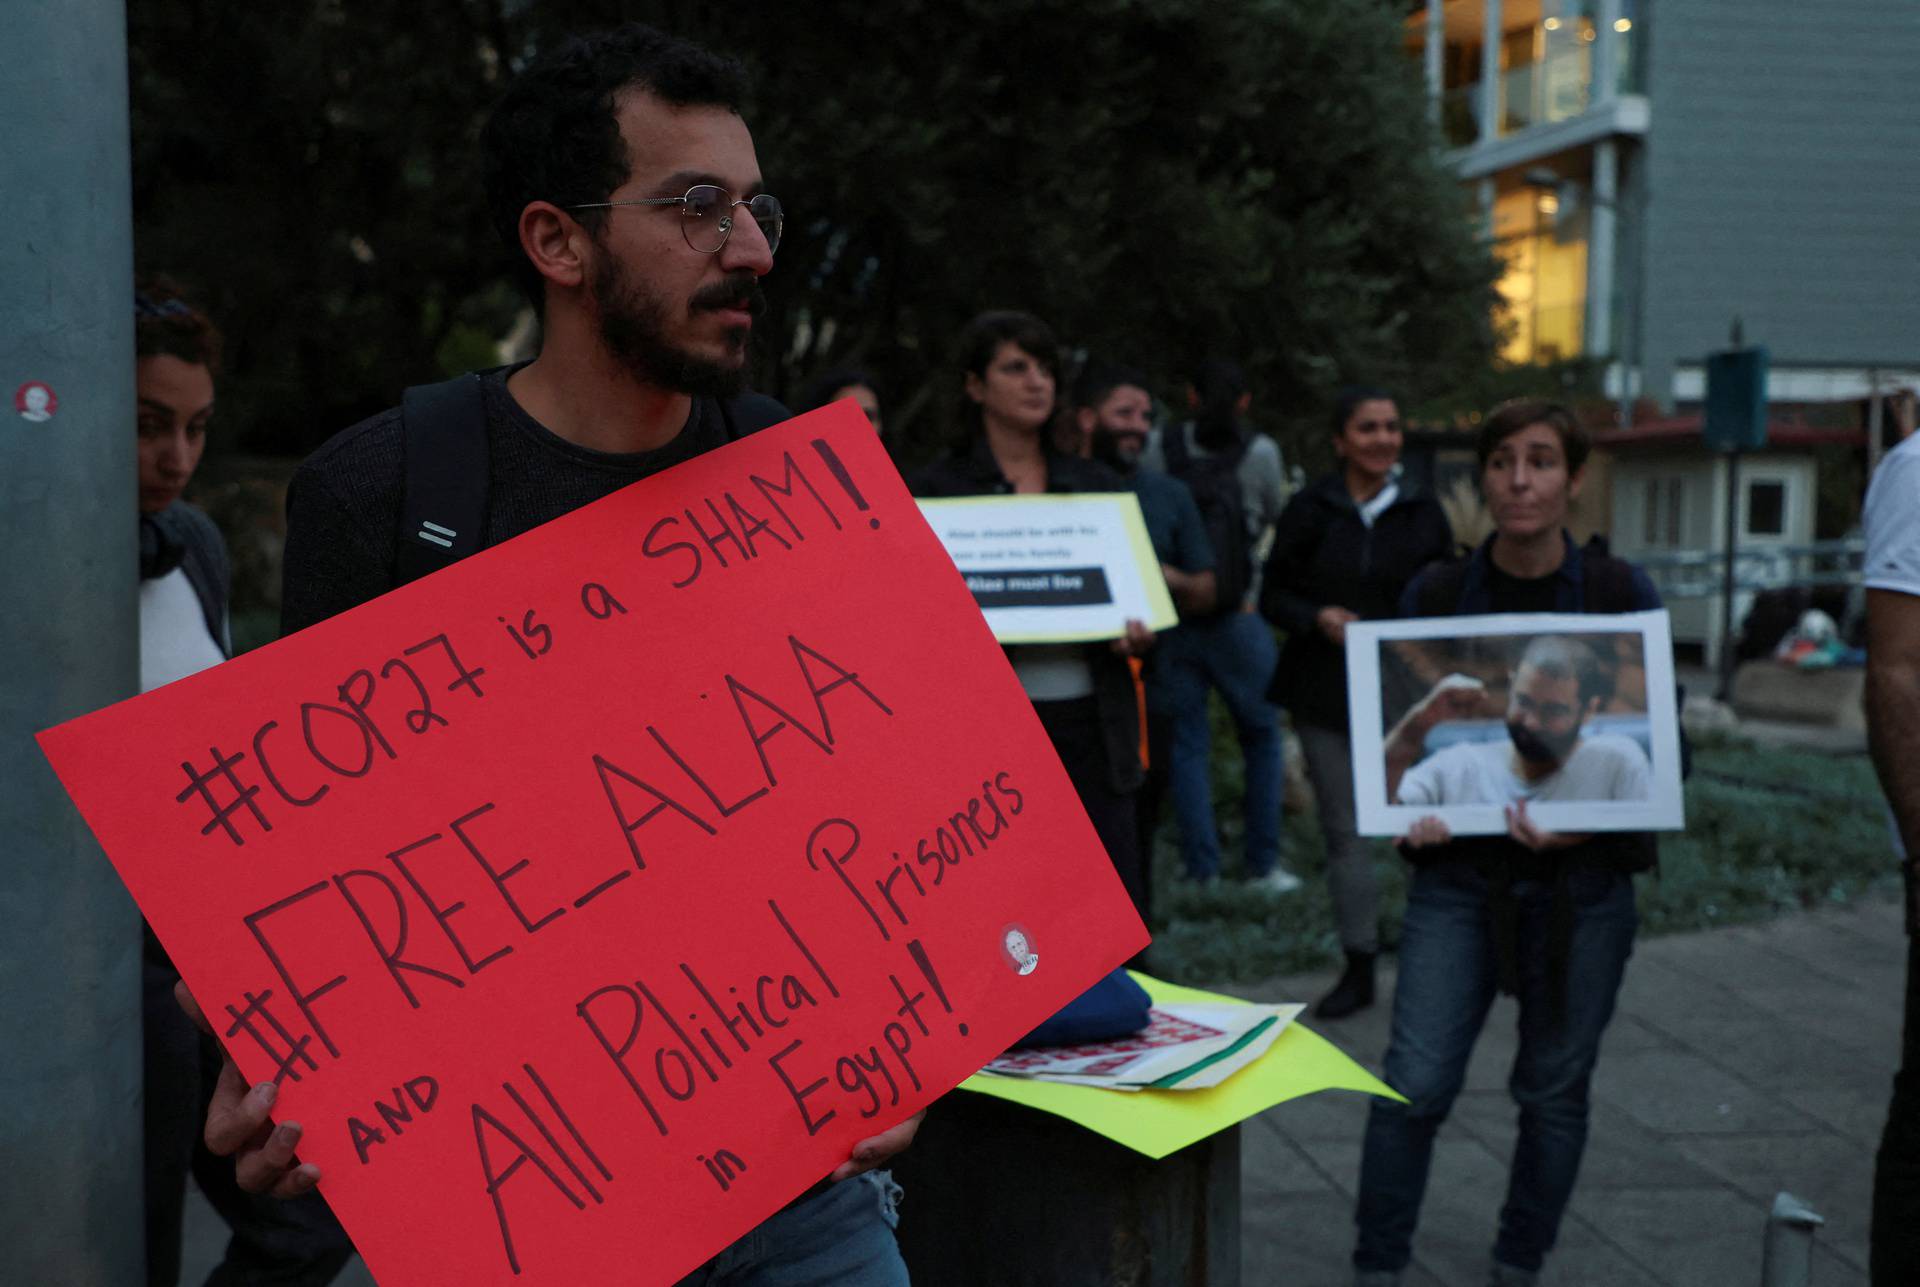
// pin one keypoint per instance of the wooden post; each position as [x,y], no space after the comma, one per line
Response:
[1001,1194]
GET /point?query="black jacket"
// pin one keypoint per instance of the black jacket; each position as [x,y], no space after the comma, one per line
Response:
[182,536]
[974,472]
[1324,555]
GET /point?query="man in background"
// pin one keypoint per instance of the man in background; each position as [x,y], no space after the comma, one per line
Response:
[1892,575]
[1236,480]
[1112,415]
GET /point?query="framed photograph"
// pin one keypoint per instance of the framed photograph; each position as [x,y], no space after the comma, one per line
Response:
[1459,717]
[1055,569]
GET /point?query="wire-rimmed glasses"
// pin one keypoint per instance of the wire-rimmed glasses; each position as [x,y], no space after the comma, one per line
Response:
[706,215]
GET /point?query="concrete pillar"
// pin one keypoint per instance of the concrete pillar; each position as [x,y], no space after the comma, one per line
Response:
[1490,87]
[70,1192]
[1606,53]
[1602,226]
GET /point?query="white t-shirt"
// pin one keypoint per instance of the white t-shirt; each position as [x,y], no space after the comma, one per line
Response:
[174,642]
[1052,672]
[1606,766]
[1893,521]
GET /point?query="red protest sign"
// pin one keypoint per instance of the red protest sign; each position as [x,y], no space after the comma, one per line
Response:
[589,899]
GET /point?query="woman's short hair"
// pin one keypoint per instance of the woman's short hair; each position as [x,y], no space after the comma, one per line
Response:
[1509,418]
[982,339]
[166,322]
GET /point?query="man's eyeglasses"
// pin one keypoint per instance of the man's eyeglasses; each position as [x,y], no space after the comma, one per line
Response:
[706,215]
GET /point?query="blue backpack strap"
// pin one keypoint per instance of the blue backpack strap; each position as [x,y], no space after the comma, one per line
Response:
[444,506]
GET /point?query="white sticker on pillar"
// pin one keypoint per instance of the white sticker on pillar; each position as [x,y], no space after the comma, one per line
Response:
[35,401]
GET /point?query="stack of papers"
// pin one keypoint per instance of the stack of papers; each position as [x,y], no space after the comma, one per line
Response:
[1185,1046]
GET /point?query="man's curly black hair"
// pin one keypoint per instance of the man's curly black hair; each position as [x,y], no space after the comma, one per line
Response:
[554,134]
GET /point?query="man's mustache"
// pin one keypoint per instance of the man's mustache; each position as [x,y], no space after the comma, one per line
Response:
[735,292]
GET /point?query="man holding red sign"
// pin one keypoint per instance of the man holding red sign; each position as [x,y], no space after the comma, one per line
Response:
[625,183]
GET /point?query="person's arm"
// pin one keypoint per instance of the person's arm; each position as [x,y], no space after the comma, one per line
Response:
[1193,592]
[1646,596]
[1893,705]
[1189,567]
[1454,697]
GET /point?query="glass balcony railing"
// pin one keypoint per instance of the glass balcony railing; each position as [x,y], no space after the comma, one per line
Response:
[1550,89]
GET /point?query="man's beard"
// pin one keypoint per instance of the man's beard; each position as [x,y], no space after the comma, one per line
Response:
[1535,749]
[632,324]
[1106,449]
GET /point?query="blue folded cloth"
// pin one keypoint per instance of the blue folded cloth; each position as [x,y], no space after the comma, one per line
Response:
[1114,1007]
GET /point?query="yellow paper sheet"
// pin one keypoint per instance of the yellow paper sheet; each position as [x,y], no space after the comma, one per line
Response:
[1159,1122]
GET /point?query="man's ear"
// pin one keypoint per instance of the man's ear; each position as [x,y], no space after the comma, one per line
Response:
[555,244]
[975,387]
[1085,418]
[1574,484]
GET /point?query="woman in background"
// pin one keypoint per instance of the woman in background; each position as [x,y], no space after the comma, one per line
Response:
[1083,693]
[184,577]
[1343,550]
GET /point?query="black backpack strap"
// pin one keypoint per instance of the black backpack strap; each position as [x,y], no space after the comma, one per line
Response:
[750,413]
[444,505]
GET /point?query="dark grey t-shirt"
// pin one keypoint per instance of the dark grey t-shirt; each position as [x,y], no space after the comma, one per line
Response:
[343,506]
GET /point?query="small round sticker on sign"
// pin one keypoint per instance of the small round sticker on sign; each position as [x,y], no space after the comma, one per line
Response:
[1017,944]
[34,401]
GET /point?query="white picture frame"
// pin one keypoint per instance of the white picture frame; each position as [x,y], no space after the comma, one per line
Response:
[1393,666]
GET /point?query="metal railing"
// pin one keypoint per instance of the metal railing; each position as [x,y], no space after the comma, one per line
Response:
[1700,574]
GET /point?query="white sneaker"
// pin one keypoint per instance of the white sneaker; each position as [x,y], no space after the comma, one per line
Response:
[1277,881]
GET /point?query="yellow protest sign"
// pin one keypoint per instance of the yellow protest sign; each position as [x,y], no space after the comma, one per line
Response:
[1159,1122]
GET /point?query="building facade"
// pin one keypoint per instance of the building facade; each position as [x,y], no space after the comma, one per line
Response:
[1652,170]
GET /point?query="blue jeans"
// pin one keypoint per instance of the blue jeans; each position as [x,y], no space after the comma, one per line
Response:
[1235,654]
[1446,985]
[839,1237]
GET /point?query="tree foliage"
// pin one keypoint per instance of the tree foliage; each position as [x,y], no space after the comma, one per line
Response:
[1161,179]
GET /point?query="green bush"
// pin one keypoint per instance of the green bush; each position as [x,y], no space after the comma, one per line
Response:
[1768,832]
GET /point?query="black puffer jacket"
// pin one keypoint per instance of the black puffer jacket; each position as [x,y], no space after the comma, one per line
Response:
[1325,555]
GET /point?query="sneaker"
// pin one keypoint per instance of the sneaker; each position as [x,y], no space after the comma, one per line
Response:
[1507,1276]
[1277,881]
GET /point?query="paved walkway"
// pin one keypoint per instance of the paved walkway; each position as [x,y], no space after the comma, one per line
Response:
[1741,1062]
